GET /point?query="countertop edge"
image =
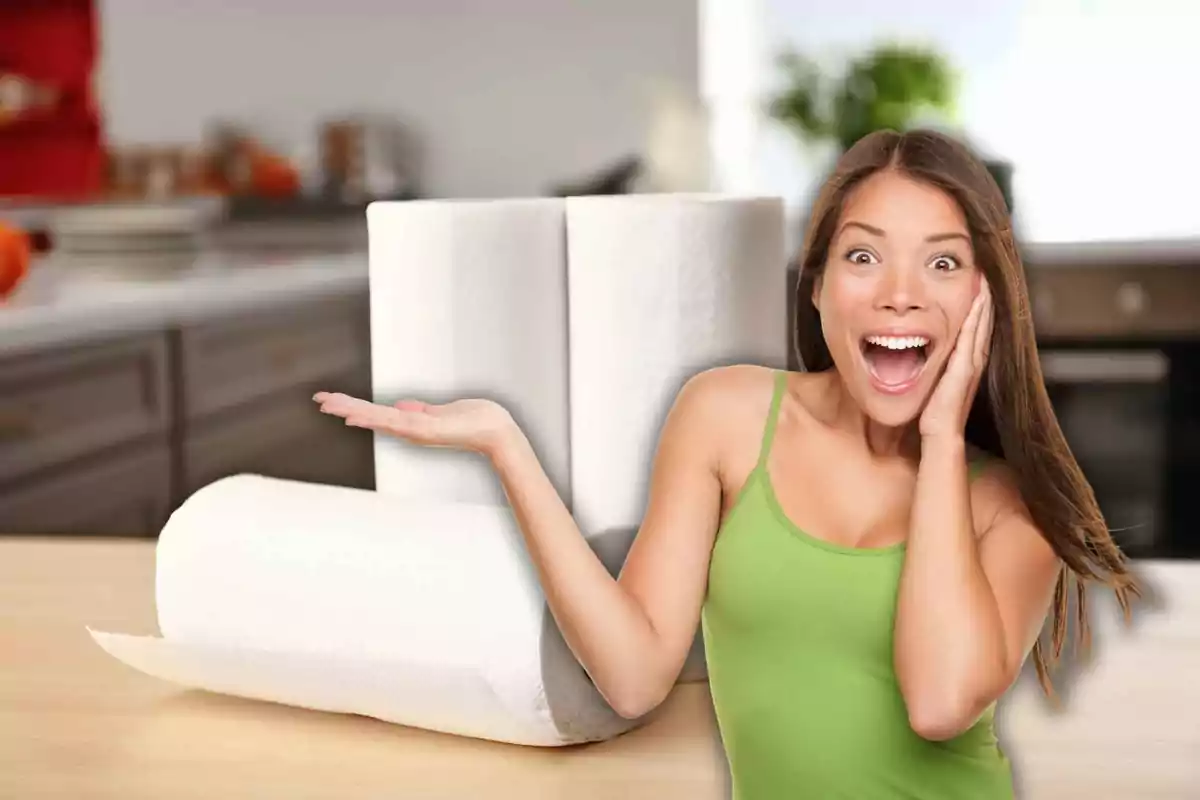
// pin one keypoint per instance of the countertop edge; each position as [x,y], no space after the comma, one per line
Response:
[25,330]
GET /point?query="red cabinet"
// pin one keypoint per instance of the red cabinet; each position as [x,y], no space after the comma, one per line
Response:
[53,152]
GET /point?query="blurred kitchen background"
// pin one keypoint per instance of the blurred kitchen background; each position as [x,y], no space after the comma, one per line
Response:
[182,188]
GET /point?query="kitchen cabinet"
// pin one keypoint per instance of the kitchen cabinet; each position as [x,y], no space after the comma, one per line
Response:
[225,363]
[125,489]
[245,390]
[1136,300]
[106,437]
[282,436]
[65,404]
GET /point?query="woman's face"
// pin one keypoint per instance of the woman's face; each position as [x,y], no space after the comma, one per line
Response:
[897,287]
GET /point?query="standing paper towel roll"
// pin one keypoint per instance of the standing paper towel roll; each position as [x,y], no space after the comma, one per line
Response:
[468,299]
[660,287]
[351,601]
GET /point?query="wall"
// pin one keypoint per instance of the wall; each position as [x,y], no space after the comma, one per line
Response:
[1103,118]
[977,39]
[508,97]
[1085,97]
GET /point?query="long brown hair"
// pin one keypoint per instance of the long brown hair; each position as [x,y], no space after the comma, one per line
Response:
[1011,417]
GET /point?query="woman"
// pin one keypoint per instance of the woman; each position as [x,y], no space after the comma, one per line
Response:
[871,546]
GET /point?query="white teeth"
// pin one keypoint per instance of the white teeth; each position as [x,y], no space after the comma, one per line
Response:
[898,342]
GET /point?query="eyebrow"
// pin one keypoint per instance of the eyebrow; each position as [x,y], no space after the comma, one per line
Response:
[937,237]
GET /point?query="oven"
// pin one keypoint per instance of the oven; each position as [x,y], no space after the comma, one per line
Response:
[1120,409]
[1119,343]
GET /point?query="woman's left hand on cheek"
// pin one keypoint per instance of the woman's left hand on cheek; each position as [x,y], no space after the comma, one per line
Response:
[946,412]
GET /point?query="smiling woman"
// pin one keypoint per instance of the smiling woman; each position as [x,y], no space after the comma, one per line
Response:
[871,546]
[905,234]
[898,281]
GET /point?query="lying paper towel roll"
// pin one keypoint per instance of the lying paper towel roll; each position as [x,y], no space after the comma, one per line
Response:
[345,600]
[660,287]
[468,299]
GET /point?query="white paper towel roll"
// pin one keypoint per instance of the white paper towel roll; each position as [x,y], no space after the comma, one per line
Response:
[345,600]
[468,299]
[660,287]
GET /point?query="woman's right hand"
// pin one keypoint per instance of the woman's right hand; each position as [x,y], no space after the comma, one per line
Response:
[481,426]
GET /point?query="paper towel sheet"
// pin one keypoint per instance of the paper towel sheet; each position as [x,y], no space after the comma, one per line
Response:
[468,299]
[660,287]
[450,700]
[350,600]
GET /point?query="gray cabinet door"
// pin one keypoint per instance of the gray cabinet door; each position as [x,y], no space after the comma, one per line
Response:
[108,439]
[56,406]
[227,362]
[124,492]
[282,436]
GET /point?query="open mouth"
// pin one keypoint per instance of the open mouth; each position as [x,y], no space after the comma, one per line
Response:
[895,363]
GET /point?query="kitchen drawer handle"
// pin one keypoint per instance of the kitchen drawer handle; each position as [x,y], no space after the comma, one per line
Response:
[1131,298]
[15,425]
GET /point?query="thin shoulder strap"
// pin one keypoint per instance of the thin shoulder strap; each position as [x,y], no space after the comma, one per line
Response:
[772,418]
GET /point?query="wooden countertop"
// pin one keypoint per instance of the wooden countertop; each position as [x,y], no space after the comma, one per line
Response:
[75,723]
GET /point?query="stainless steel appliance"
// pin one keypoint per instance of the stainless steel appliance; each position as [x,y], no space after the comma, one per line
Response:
[1119,340]
[1114,408]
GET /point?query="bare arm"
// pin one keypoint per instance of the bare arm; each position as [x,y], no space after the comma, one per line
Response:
[631,634]
[969,608]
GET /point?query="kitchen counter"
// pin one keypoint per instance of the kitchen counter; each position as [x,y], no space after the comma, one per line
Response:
[63,302]
[76,723]
[1116,253]
[125,386]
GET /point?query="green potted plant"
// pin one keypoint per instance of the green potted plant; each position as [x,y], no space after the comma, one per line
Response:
[892,86]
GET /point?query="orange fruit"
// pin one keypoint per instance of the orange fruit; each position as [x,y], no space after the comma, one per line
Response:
[14,258]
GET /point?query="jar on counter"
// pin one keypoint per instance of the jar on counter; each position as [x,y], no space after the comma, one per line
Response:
[365,157]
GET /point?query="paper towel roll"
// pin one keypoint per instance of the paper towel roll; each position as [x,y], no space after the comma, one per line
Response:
[660,287]
[345,600]
[468,299]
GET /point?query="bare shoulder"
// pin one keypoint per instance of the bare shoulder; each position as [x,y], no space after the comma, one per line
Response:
[728,407]
[728,394]
[732,382]
[995,492]
[997,503]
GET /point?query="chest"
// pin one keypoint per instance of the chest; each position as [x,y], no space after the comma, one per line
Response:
[772,589]
[838,493]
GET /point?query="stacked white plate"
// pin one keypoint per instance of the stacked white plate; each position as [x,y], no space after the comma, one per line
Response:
[168,229]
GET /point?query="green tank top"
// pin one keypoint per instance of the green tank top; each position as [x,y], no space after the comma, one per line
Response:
[798,638]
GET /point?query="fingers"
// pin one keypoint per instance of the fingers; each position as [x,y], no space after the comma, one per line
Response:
[962,357]
[360,413]
[980,342]
[339,404]
[983,332]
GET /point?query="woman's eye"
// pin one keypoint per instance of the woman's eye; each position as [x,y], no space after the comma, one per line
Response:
[860,257]
[946,263]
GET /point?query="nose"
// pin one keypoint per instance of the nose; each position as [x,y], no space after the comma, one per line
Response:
[900,289]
